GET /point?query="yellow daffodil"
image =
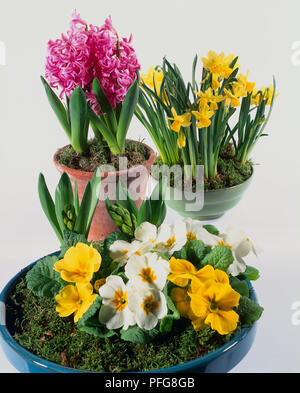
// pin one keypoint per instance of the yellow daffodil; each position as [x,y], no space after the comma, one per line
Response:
[79,263]
[256,97]
[213,305]
[219,66]
[75,299]
[208,97]
[181,141]
[203,116]
[242,87]
[231,99]
[181,271]
[268,94]
[180,120]
[153,79]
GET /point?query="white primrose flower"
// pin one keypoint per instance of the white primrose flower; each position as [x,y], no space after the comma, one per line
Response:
[167,239]
[240,245]
[114,312]
[195,231]
[148,305]
[147,270]
[120,251]
[171,238]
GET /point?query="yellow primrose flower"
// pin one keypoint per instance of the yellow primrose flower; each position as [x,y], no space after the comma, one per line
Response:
[99,283]
[231,99]
[208,97]
[242,87]
[179,120]
[213,305]
[203,116]
[75,299]
[79,263]
[219,276]
[181,271]
[181,141]
[182,301]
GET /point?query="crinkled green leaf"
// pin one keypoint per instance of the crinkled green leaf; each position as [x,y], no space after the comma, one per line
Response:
[239,286]
[166,323]
[42,280]
[137,335]
[193,251]
[90,324]
[251,273]
[70,239]
[220,257]
[249,311]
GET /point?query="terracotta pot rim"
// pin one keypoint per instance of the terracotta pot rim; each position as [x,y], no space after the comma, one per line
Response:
[226,188]
[87,174]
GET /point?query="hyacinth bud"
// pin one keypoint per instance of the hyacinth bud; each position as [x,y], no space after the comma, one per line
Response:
[127,218]
[70,225]
[69,217]
[116,219]
[127,230]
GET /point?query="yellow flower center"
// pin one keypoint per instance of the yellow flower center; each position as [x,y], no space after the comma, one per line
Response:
[148,275]
[152,240]
[124,252]
[222,243]
[138,253]
[120,300]
[190,236]
[169,243]
[149,305]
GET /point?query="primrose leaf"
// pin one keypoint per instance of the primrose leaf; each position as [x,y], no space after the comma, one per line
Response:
[251,273]
[211,229]
[239,286]
[70,239]
[42,280]
[166,323]
[249,311]
[193,251]
[90,324]
[137,335]
[220,257]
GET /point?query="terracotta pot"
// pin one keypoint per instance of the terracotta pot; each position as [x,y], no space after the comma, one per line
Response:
[136,179]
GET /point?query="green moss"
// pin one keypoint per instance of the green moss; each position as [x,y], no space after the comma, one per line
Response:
[230,172]
[39,329]
[98,153]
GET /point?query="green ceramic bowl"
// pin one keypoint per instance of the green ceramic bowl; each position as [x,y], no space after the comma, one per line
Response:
[216,202]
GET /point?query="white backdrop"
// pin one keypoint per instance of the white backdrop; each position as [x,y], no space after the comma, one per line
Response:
[262,33]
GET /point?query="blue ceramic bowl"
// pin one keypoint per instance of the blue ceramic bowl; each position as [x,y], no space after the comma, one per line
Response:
[221,360]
